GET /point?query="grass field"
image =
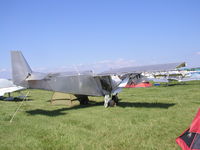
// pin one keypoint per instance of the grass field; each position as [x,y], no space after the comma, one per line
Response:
[145,119]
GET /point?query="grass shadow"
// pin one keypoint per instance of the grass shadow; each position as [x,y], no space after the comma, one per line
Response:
[16,99]
[196,103]
[176,83]
[173,84]
[58,112]
[50,113]
[146,105]
[61,111]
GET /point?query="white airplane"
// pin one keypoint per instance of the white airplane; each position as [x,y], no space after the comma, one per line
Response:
[191,76]
[7,86]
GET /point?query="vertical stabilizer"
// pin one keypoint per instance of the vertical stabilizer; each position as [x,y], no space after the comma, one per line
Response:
[20,68]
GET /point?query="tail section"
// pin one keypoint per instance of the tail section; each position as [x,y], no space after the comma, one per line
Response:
[20,68]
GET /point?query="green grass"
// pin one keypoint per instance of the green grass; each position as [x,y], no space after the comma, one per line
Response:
[145,119]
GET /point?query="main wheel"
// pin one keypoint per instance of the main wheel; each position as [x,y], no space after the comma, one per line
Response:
[115,98]
[83,99]
[111,103]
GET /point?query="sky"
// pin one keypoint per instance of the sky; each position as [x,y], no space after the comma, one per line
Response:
[58,35]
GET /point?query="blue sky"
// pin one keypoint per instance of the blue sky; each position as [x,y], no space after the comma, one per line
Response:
[106,33]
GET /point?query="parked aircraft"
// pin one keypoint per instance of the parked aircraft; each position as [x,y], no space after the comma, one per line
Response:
[190,76]
[180,77]
[82,84]
[7,86]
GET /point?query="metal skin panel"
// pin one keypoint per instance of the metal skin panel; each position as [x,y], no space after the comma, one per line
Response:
[79,85]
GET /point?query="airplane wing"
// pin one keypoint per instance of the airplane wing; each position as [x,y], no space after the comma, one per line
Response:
[134,73]
[149,68]
[10,90]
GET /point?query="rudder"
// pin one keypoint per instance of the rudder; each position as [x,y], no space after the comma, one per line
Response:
[20,68]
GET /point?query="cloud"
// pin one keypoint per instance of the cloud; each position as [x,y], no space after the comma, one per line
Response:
[198,53]
[5,73]
[3,70]
[40,69]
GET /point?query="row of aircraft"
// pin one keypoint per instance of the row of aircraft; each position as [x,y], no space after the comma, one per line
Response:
[179,76]
[81,84]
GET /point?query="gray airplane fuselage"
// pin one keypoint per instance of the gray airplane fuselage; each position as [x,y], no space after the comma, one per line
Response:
[78,84]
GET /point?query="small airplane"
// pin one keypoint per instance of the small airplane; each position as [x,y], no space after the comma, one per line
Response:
[191,76]
[80,84]
[7,86]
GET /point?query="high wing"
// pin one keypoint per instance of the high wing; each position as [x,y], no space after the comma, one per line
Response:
[149,68]
[137,74]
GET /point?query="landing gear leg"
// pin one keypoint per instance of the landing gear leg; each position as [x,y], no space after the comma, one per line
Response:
[110,100]
[107,99]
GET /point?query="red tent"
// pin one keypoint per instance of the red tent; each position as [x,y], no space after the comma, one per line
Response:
[143,84]
[190,139]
